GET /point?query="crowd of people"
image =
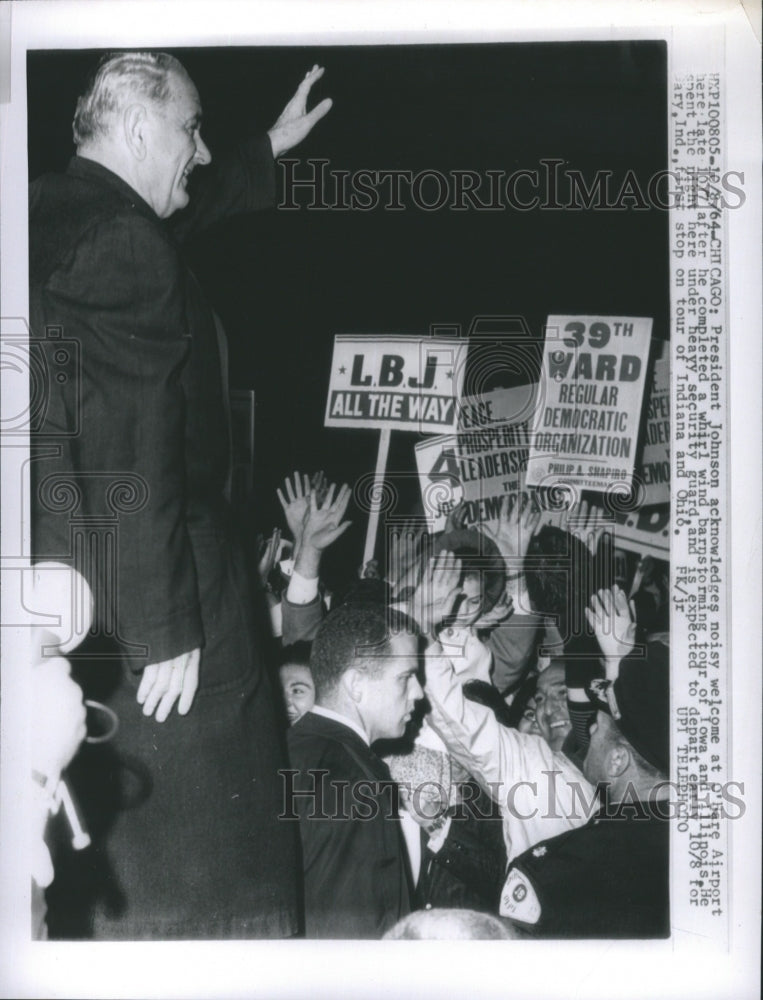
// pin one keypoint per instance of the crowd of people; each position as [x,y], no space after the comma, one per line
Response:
[524,753]
[470,738]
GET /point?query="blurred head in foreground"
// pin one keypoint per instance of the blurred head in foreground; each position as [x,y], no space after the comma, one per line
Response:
[450,925]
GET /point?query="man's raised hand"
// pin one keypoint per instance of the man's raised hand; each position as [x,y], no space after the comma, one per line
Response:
[613,620]
[513,530]
[436,593]
[295,500]
[405,556]
[587,524]
[295,121]
[323,523]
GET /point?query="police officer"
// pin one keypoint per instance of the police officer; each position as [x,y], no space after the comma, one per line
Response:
[609,878]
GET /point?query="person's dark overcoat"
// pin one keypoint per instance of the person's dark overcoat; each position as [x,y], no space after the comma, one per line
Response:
[131,453]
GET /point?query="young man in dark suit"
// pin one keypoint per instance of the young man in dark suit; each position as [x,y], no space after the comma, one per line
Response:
[364,662]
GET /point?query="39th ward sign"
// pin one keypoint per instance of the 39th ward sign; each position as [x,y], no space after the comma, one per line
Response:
[586,432]
[400,383]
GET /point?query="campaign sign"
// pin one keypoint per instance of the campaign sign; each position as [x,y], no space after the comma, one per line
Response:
[483,464]
[401,383]
[655,461]
[493,442]
[646,531]
[586,431]
[439,479]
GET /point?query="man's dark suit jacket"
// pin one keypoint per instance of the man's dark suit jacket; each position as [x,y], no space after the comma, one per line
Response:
[133,427]
[355,869]
[132,454]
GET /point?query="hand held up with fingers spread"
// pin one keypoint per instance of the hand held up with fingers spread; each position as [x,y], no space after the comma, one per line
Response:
[405,556]
[321,527]
[613,620]
[588,524]
[295,499]
[323,523]
[295,122]
[512,533]
[513,530]
[434,597]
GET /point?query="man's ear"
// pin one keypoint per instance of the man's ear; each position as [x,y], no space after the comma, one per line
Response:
[134,124]
[618,759]
[353,682]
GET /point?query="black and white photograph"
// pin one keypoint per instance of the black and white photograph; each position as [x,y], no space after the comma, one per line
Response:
[369,502]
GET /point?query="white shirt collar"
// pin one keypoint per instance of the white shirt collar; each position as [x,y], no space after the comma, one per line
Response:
[329,713]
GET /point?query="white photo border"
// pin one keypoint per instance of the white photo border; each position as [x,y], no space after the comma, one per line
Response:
[683,966]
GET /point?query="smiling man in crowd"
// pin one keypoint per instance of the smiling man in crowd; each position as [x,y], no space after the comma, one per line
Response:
[609,878]
[183,807]
[364,663]
[551,712]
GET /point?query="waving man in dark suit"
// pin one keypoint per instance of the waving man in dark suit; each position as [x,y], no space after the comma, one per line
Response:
[128,484]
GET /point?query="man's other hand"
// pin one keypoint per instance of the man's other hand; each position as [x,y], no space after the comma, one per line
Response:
[295,121]
[166,682]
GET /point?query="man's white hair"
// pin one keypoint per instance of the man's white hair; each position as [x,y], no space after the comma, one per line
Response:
[119,78]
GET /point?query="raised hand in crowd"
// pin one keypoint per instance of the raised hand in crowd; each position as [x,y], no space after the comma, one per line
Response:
[322,523]
[512,531]
[295,122]
[588,523]
[434,597]
[456,519]
[649,594]
[321,527]
[406,557]
[295,500]
[612,618]
[319,485]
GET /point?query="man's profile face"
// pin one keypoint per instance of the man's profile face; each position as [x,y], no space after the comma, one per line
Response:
[390,696]
[175,147]
[552,715]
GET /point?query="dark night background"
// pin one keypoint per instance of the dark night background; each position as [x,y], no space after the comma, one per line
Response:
[285,282]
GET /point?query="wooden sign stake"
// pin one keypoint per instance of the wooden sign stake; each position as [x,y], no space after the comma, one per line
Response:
[377,494]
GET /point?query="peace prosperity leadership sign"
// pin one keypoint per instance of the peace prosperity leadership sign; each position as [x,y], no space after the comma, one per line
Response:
[401,383]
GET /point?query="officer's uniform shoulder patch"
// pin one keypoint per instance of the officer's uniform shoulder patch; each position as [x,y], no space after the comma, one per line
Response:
[518,898]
